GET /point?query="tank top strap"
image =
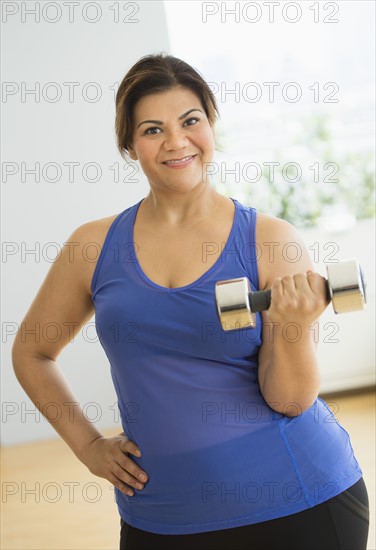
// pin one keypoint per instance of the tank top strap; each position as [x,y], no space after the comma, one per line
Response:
[246,241]
[117,248]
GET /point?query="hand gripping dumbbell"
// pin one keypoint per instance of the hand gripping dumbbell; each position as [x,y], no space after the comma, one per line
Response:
[237,304]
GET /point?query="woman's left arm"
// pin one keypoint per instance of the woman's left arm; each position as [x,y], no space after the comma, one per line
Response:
[288,370]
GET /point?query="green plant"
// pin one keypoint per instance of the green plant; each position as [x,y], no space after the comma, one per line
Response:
[340,179]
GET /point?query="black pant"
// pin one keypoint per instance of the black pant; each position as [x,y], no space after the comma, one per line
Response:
[340,523]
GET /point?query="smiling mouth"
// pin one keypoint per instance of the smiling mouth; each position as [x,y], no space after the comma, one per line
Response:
[179,161]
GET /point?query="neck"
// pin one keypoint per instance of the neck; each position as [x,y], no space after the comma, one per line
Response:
[179,209]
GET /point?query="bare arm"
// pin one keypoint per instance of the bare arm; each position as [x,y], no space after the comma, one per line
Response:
[64,299]
[288,370]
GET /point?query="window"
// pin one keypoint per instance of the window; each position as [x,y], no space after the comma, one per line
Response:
[295,89]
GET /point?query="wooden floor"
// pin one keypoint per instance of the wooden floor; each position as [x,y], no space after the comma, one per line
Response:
[51,501]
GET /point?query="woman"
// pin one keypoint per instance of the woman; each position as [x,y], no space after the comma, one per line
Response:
[237,449]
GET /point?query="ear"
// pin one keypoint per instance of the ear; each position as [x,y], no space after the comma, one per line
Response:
[132,153]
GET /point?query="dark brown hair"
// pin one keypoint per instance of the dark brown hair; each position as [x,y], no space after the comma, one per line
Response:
[152,74]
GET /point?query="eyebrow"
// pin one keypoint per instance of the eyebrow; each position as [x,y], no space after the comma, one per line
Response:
[160,121]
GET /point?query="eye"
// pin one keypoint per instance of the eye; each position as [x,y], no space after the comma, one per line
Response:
[150,131]
[190,120]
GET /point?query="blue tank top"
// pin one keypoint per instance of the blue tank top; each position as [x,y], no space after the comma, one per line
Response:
[216,454]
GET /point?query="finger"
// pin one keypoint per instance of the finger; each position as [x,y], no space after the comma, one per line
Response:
[277,287]
[287,289]
[288,285]
[317,283]
[119,484]
[315,280]
[128,465]
[126,477]
[128,446]
[302,284]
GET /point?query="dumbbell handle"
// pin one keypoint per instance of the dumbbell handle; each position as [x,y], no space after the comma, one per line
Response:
[261,300]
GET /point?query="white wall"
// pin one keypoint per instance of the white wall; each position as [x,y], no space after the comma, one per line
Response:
[38,131]
[346,342]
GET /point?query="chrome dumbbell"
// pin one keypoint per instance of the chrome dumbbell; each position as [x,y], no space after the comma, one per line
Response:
[237,304]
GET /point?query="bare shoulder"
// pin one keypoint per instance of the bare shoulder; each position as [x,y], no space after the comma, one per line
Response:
[268,226]
[88,240]
[281,249]
[92,233]
[95,229]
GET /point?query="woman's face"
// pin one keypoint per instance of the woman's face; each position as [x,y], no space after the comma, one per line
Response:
[172,139]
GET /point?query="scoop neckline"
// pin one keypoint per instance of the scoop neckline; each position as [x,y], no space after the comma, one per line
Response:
[203,276]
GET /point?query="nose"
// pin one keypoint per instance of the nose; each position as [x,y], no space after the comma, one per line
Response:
[175,140]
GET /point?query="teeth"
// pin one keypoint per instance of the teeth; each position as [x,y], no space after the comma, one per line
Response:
[178,161]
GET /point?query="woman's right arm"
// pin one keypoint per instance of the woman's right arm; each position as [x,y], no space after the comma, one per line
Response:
[65,300]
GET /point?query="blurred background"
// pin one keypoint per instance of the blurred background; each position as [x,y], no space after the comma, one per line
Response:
[295,86]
